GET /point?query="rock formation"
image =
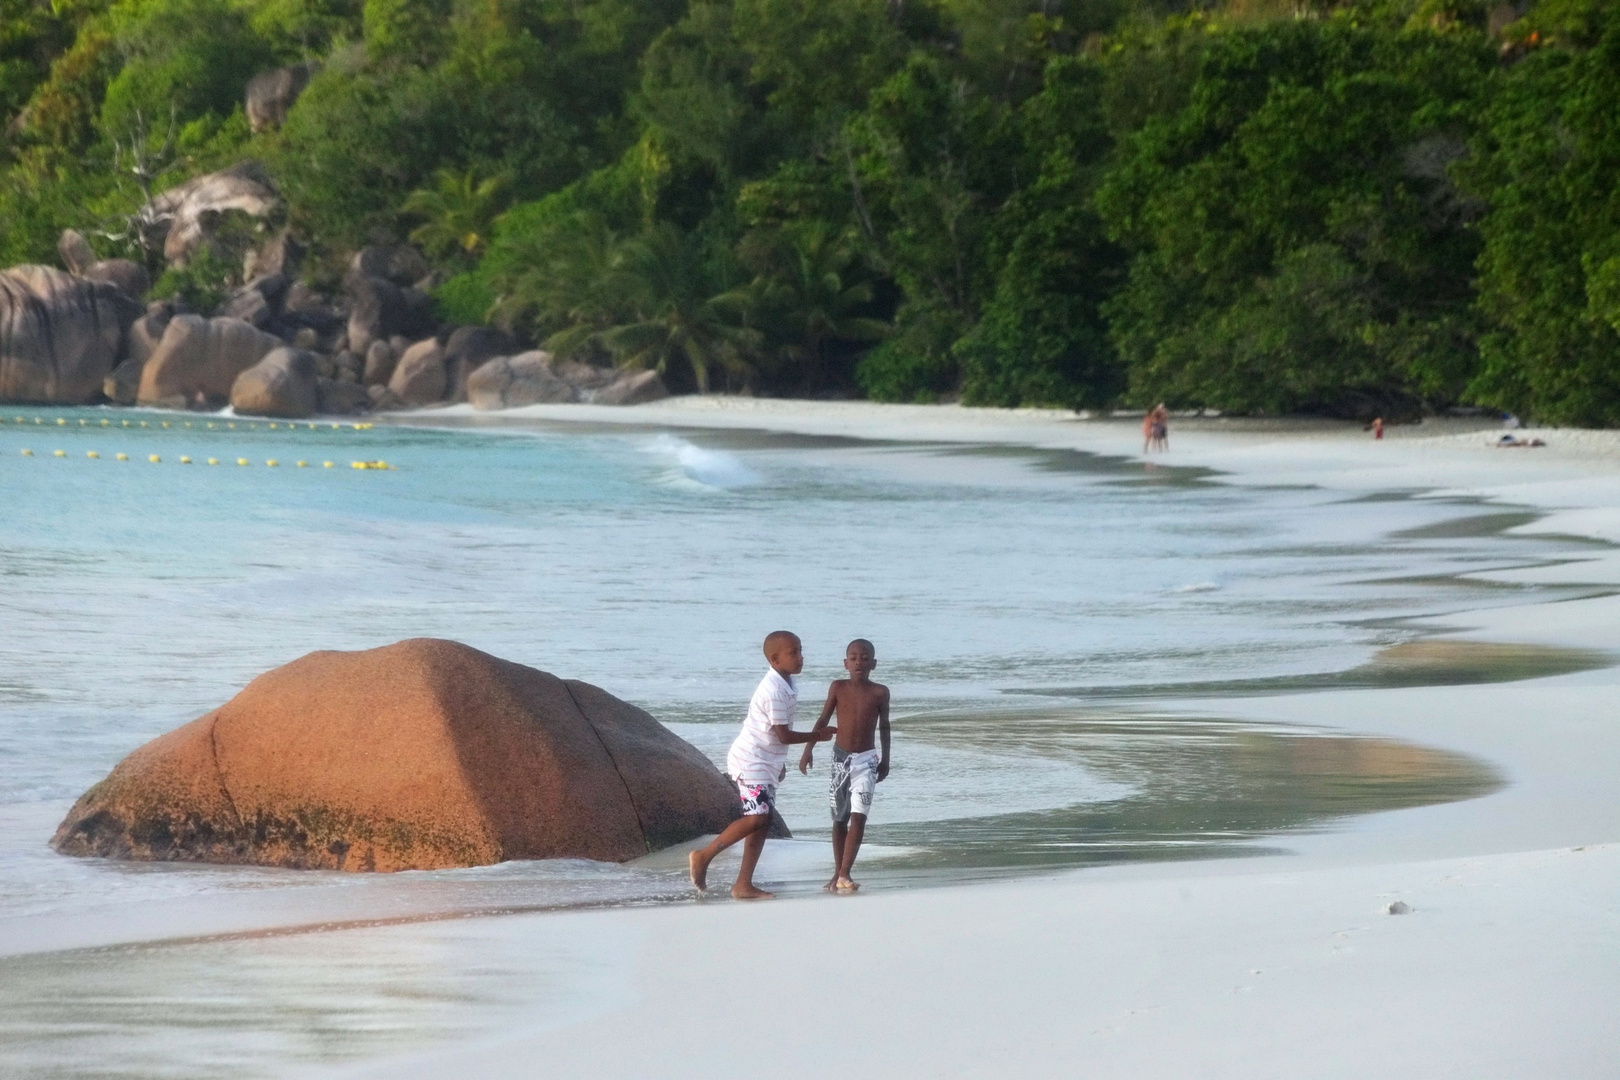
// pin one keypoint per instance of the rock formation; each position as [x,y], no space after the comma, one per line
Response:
[198,360]
[270,94]
[59,335]
[282,384]
[419,378]
[185,216]
[512,381]
[419,755]
[631,388]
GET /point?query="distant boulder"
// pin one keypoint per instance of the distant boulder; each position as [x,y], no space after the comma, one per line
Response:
[381,309]
[75,251]
[140,342]
[380,361]
[60,336]
[283,384]
[270,94]
[126,275]
[198,360]
[421,755]
[419,378]
[338,398]
[185,217]
[632,388]
[512,381]
[466,350]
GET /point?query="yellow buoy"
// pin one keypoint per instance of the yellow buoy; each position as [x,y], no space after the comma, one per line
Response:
[272,427]
[230,425]
[334,426]
[312,427]
[60,422]
[303,464]
[154,459]
[106,423]
[210,425]
[184,460]
[165,423]
[188,423]
[241,461]
[143,423]
[92,455]
[60,453]
[213,461]
[30,453]
[326,464]
[121,457]
[83,422]
[126,423]
[272,463]
[358,465]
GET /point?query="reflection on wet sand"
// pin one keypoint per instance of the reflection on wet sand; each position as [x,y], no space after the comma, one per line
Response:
[1431,662]
[1200,789]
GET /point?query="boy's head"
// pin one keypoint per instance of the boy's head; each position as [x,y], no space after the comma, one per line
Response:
[785,653]
[859,659]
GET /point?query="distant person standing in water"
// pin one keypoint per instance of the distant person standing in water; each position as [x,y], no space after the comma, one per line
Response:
[863,717]
[1156,429]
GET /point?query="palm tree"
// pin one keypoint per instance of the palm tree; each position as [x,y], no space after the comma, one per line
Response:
[456,212]
[805,288]
[678,318]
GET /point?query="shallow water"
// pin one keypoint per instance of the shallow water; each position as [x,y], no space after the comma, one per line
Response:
[1037,614]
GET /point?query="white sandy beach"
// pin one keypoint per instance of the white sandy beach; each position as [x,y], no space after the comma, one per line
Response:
[1508,964]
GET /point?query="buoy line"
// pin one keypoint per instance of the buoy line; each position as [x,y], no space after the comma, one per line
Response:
[185,459]
[289,425]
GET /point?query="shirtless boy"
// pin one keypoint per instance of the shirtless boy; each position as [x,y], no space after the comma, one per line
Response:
[757,762]
[863,710]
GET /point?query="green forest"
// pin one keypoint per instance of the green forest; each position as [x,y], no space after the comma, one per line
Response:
[1387,207]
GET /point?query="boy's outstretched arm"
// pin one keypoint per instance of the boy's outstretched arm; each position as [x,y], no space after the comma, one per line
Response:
[808,758]
[883,735]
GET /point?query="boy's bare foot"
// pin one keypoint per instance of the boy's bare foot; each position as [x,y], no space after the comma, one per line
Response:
[845,885]
[749,892]
[832,883]
[698,867]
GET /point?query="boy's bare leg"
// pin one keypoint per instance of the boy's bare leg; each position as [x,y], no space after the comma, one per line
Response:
[840,831]
[846,858]
[697,863]
[744,888]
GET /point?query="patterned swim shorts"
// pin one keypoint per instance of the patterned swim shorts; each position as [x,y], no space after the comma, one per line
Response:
[854,782]
[756,798]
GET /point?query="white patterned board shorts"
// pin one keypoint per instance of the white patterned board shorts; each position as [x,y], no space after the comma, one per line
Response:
[854,782]
[756,798]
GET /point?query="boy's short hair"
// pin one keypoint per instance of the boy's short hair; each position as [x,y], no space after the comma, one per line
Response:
[863,642]
[776,639]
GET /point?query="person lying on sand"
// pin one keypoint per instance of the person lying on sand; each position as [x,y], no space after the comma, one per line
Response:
[757,762]
[863,708]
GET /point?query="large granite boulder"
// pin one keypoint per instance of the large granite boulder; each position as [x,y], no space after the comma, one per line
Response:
[185,216]
[140,342]
[270,94]
[632,388]
[125,275]
[415,756]
[510,381]
[338,398]
[382,309]
[59,335]
[283,384]
[466,350]
[198,360]
[419,377]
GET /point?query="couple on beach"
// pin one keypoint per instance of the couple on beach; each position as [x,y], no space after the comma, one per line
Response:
[757,761]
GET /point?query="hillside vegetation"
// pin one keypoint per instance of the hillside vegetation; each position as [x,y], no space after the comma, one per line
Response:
[1376,207]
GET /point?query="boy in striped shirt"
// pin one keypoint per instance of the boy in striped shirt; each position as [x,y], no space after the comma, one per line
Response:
[757,762]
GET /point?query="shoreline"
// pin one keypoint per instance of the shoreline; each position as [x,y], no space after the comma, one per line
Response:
[1284,965]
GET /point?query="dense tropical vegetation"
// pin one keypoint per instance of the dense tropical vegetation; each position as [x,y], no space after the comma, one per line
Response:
[1373,206]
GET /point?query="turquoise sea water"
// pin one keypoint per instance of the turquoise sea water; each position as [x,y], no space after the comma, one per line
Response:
[1036,614]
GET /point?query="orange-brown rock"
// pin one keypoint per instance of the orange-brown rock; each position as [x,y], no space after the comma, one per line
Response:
[419,755]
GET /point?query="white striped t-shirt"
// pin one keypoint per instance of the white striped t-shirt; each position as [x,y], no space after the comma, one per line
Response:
[757,755]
